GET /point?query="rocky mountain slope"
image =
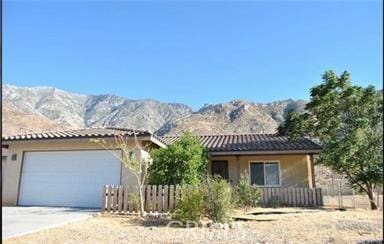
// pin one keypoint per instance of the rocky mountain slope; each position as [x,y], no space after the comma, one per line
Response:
[77,111]
[234,117]
[15,121]
[52,108]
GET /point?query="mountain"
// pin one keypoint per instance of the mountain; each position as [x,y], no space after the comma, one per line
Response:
[48,108]
[236,117]
[15,121]
[65,109]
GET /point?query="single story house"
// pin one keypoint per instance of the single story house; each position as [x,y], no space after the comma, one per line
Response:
[66,168]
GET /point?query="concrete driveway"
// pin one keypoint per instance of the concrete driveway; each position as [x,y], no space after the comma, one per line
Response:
[23,220]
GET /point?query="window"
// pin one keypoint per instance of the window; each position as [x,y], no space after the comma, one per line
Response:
[265,173]
[220,168]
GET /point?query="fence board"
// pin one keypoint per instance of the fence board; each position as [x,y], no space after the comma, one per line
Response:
[120,199]
[285,196]
[129,202]
[269,195]
[148,205]
[166,199]
[125,199]
[104,198]
[171,197]
[154,198]
[160,198]
[109,198]
[135,204]
[306,197]
[177,194]
[114,200]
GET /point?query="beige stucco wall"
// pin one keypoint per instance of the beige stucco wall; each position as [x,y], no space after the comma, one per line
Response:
[11,178]
[295,170]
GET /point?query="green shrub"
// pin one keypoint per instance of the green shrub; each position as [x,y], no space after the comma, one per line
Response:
[190,205]
[134,199]
[182,162]
[246,195]
[217,199]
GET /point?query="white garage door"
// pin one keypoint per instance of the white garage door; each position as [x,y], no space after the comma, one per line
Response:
[67,178]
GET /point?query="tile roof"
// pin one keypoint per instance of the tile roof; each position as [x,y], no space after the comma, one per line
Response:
[251,142]
[214,143]
[82,133]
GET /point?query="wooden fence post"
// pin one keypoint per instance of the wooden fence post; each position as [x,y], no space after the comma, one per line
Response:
[177,194]
[148,198]
[104,198]
[125,199]
[119,198]
[109,198]
[171,197]
[154,198]
[160,198]
[166,199]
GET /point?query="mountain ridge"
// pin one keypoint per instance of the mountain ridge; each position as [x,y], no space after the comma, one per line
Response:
[74,110]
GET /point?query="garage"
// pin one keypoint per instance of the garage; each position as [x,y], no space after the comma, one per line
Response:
[67,178]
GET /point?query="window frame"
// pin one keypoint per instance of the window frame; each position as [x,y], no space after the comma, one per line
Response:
[264,162]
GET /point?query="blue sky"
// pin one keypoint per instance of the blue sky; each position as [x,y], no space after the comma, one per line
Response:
[193,52]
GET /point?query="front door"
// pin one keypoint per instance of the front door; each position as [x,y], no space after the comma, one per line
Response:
[220,168]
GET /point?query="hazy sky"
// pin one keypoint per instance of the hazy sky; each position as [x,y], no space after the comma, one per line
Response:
[193,52]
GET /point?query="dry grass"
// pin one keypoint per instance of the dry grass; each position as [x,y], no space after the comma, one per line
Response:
[321,226]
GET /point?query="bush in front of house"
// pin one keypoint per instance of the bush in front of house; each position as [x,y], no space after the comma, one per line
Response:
[190,204]
[212,198]
[182,162]
[246,195]
[217,199]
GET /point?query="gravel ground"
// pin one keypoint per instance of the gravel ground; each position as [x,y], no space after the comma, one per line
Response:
[324,226]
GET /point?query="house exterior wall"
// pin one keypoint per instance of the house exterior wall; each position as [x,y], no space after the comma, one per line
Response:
[11,180]
[295,170]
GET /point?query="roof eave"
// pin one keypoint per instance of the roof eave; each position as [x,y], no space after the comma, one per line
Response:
[158,142]
[75,138]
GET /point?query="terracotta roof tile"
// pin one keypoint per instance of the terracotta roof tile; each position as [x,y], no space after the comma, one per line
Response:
[250,142]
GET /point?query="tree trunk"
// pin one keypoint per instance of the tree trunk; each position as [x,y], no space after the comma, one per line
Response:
[142,213]
[371,199]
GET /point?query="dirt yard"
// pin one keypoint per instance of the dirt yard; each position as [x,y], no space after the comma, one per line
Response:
[283,226]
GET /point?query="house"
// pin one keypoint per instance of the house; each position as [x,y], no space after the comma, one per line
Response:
[271,160]
[67,169]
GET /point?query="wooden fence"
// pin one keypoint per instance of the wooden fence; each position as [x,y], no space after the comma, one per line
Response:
[163,199]
[291,196]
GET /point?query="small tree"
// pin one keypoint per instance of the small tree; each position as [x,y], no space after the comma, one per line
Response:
[183,162]
[348,122]
[217,199]
[190,204]
[131,159]
[246,195]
